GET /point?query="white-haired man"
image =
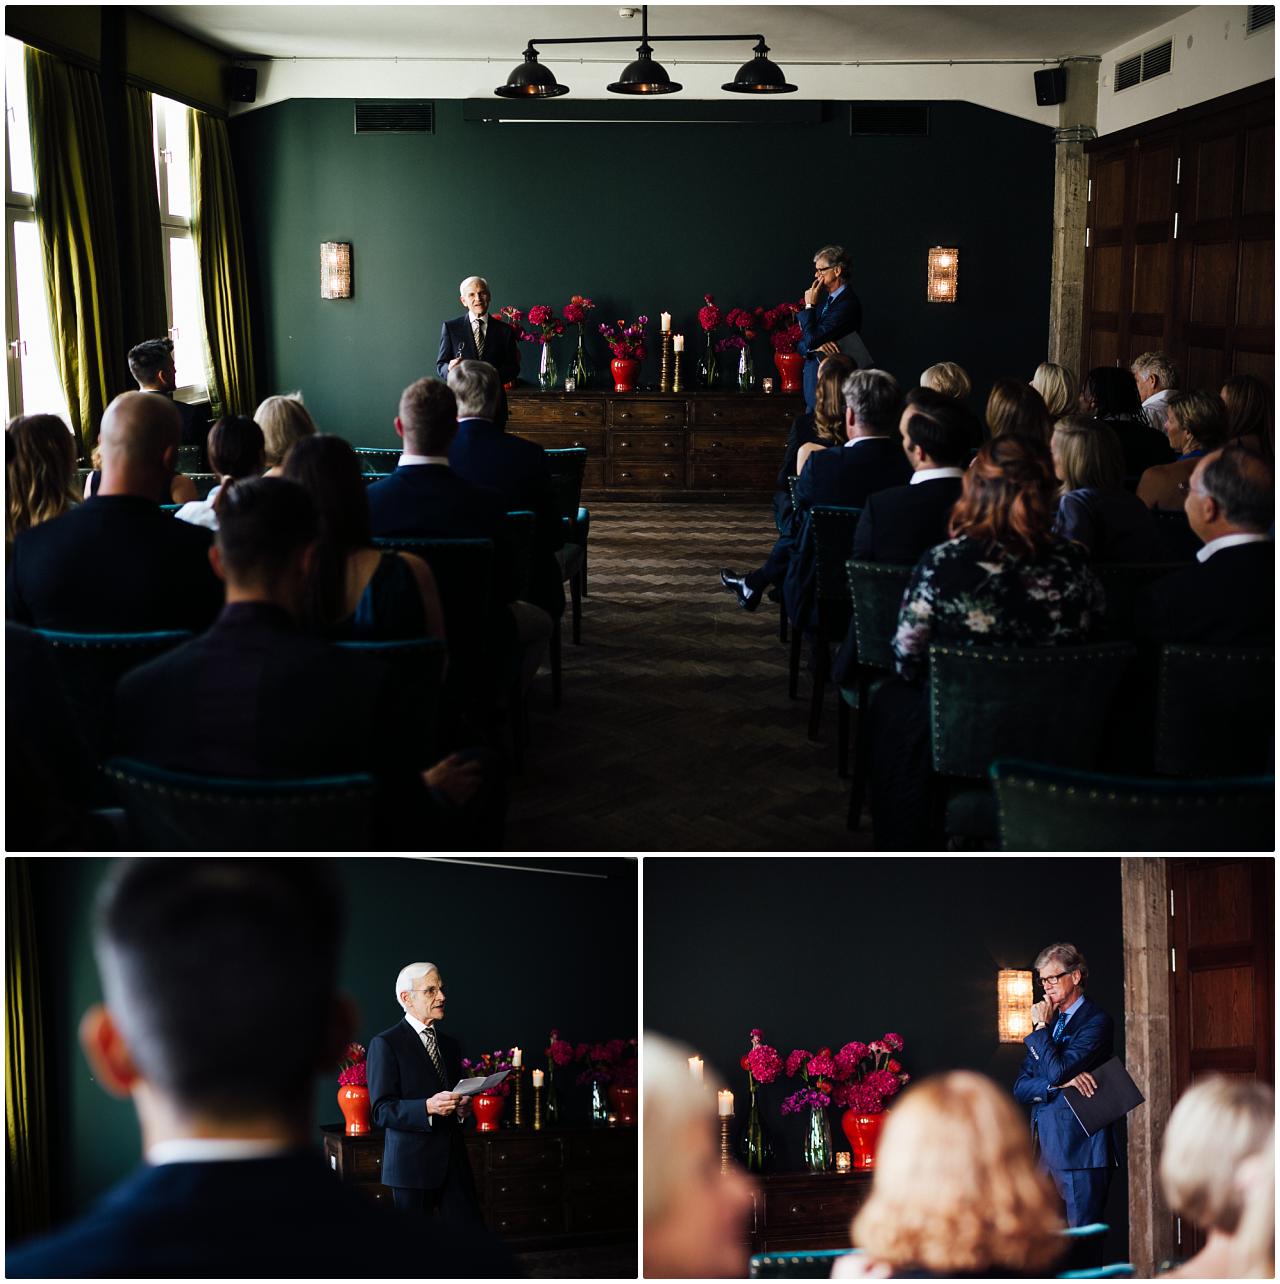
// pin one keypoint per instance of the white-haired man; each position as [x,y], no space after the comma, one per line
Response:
[476,336]
[411,1069]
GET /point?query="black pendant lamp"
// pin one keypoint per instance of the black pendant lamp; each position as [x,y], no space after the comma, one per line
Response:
[644,76]
[760,76]
[532,80]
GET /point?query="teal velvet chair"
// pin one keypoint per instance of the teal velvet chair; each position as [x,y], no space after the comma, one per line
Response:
[567,469]
[370,478]
[1042,808]
[1042,704]
[418,664]
[204,483]
[1116,1271]
[1122,583]
[170,508]
[179,811]
[377,459]
[792,480]
[802,1264]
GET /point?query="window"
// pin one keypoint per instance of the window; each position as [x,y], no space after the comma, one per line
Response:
[181,270]
[31,385]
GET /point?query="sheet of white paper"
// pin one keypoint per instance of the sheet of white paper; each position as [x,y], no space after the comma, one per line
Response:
[471,1087]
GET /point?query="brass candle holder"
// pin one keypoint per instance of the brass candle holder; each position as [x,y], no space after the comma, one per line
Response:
[664,373]
[676,385]
[517,1118]
[726,1150]
[537,1107]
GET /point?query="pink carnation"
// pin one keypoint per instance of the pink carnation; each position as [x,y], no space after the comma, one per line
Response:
[560,1052]
[883,1082]
[893,1042]
[862,1099]
[764,1063]
[756,1036]
[709,316]
[877,1046]
[797,1058]
[855,1051]
[821,1064]
[540,314]
[353,1076]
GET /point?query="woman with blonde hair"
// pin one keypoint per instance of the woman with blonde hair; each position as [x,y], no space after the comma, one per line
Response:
[41,473]
[949,379]
[283,420]
[1057,386]
[1216,1126]
[1018,408]
[956,1188]
[1195,423]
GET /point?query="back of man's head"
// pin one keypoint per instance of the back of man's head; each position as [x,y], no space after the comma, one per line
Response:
[1243,484]
[264,524]
[222,974]
[875,401]
[139,439]
[941,427]
[148,358]
[428,417]
[477,388]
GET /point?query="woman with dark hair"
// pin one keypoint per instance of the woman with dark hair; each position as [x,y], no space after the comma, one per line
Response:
[1018,408]
[1249,413]
[1003,579]
[41,472]
[814,429]
[1196,423]
[1111,394]
[357,590]
[236,449]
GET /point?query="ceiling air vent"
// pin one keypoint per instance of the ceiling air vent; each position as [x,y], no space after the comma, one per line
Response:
[1260,15]
[1155,62]
[395,118]
[1128,73]
[889,118]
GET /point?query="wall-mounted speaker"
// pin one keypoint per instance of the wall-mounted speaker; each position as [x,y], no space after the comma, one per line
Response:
[1051,86]
[244,84]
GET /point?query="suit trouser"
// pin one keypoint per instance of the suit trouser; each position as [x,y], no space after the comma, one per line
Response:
[455,1202]
[1084,1191]
[774,570]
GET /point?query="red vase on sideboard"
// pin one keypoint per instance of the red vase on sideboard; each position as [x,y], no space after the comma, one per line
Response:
[863,1132]
[625,371]
[791,367]
[487,1108]
[353,1101]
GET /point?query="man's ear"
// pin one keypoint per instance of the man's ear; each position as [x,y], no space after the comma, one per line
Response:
[170,458]
[399,428]
[215,560]
[107,1053]
[848,421]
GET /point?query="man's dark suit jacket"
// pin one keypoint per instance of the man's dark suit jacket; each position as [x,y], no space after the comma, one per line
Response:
[501,346]
[418,1149]
[1230,599]
[518,470]
[902,523]
[195,423]
[844,316]
[278,1218]
[114,564]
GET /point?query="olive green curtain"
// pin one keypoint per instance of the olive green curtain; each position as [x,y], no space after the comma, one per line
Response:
[25,1103]
[146,310]
[76,218]
[215,225]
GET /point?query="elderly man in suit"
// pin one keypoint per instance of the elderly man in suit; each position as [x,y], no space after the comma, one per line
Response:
[831,311]
[1071,1035]
[476,336]
[411,1069]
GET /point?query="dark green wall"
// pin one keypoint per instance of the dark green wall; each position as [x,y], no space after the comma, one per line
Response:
[641,217]
[521,952]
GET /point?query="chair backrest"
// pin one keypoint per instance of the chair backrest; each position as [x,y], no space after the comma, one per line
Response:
[1116,1271]
[833,529]
[1214,710]
[376,459]
[204,483]
[799,1264]
[793,479]
[190,459]
[1043,809]
[567,467]
[170,508]
[370,478]
[1180,542]
[876,589]
[1044,704]
[519,530]
[92,664]
[177,811]
[1122,582]
[418,664]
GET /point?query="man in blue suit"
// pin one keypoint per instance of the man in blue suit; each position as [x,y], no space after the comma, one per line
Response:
[1071,1035]
[831,311]
[476,336]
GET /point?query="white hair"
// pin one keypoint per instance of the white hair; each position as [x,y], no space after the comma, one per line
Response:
[410,973]
[466,281]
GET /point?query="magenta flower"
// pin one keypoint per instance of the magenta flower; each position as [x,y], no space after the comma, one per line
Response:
[893,1042]
[797,1058]
[353,1076]
[756,1036]
[821,1065]
[764,1064]
[883,1082]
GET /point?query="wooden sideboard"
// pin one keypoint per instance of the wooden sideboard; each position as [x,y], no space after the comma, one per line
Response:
[706,445]
[805,1210]
[556,1188]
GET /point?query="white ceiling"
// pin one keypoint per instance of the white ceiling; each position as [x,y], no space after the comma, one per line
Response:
[795,33]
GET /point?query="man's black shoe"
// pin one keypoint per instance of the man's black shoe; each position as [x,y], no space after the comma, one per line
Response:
[748,599]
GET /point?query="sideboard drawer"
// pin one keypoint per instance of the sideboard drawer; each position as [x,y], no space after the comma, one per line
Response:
[524,1152]
[754,413]
[669,476]
[593,474]
[623,413]
[734,475]
[711,446]
[809,1208]
[566,438]
[354,1163]
[526,1190]
[646,444]
[554,411]
[527,1221]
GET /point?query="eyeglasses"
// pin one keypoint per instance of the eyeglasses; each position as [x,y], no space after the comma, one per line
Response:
[432,990]
[1053,980]
[823,269]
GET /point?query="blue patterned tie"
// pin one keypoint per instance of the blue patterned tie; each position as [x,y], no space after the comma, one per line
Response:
[1059,1025]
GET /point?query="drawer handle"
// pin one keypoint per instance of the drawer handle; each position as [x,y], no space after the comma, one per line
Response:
[668,416]
[624,443]
[715,414]
[668,476]
[625,474]
[668,445]
[715,476]
[717,445]
[577,414]
[577,443]
[626,414]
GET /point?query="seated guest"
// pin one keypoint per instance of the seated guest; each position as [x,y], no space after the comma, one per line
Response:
[828,410]
[1111,394]
[949,379]
[1216,1127]
[356,590]
[1094,509]
[220,1007]
[283,420]
[116,563]
[1057,388]
[1156,377]
[177,488]
[1249,415]
[695,1217]
[236,451]
[1196,423]
[956,1191]
[870,460]
[1229,595]
[152,367]
[1003,579]
[41,474]
[483,454]
[1015,407]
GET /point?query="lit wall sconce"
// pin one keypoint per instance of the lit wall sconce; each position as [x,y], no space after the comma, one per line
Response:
[1014,994]
[335,270]
[944,273]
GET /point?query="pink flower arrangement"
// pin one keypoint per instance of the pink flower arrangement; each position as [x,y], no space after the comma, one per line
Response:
[488,1063]
[611,1062]
[352,1067]
[746,323]
[870,1076]
[817,1069]
[708,314]
[545,324]
[762,1063]
[781,325]
[513,317]
[575,311]
[626,338]
[560,1050]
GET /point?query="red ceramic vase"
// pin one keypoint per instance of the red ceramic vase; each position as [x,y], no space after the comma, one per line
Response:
[487,1108]
[791,367]
[623,1101]
[863,1132]
[625,371]
[354,1104]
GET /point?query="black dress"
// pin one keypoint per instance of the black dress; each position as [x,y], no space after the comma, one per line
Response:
[390,607]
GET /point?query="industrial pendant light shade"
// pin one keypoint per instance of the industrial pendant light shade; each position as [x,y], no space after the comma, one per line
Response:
[760,76]
[531,80]
[644,76]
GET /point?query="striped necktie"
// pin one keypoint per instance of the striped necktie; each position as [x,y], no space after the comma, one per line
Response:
[477,328]
[433,1051]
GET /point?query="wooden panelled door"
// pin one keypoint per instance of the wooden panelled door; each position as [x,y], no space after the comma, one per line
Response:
[1222,932]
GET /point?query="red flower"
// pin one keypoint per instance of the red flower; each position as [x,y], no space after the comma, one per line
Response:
[709,316]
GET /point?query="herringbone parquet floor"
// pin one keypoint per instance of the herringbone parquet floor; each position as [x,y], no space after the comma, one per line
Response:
[676,733]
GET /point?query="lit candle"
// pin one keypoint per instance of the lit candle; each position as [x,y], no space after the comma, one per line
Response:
[724,1100]
[844,1161]
[537,1078]
[517,1058]
[677,342]
[666,322]
[695,1068]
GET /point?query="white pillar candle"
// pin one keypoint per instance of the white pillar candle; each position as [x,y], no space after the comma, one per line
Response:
[677,342]
[517,1058]
[724,1100]
[666,322]
[695,1068]
[537,1078]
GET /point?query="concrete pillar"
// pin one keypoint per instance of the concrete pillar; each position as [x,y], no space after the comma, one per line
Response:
[1148,1052]
[1077,118]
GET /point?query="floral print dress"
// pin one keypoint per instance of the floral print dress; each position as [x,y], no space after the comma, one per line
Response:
[966,592]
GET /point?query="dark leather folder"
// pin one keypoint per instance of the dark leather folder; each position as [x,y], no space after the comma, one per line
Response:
[1117,1094]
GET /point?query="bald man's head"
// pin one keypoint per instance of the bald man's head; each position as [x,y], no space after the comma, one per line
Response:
[139,437]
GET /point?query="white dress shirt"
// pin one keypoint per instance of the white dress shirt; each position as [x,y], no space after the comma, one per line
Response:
[1226,541]
[934,474]
[213,1150]
[1155,408]
[407,460]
